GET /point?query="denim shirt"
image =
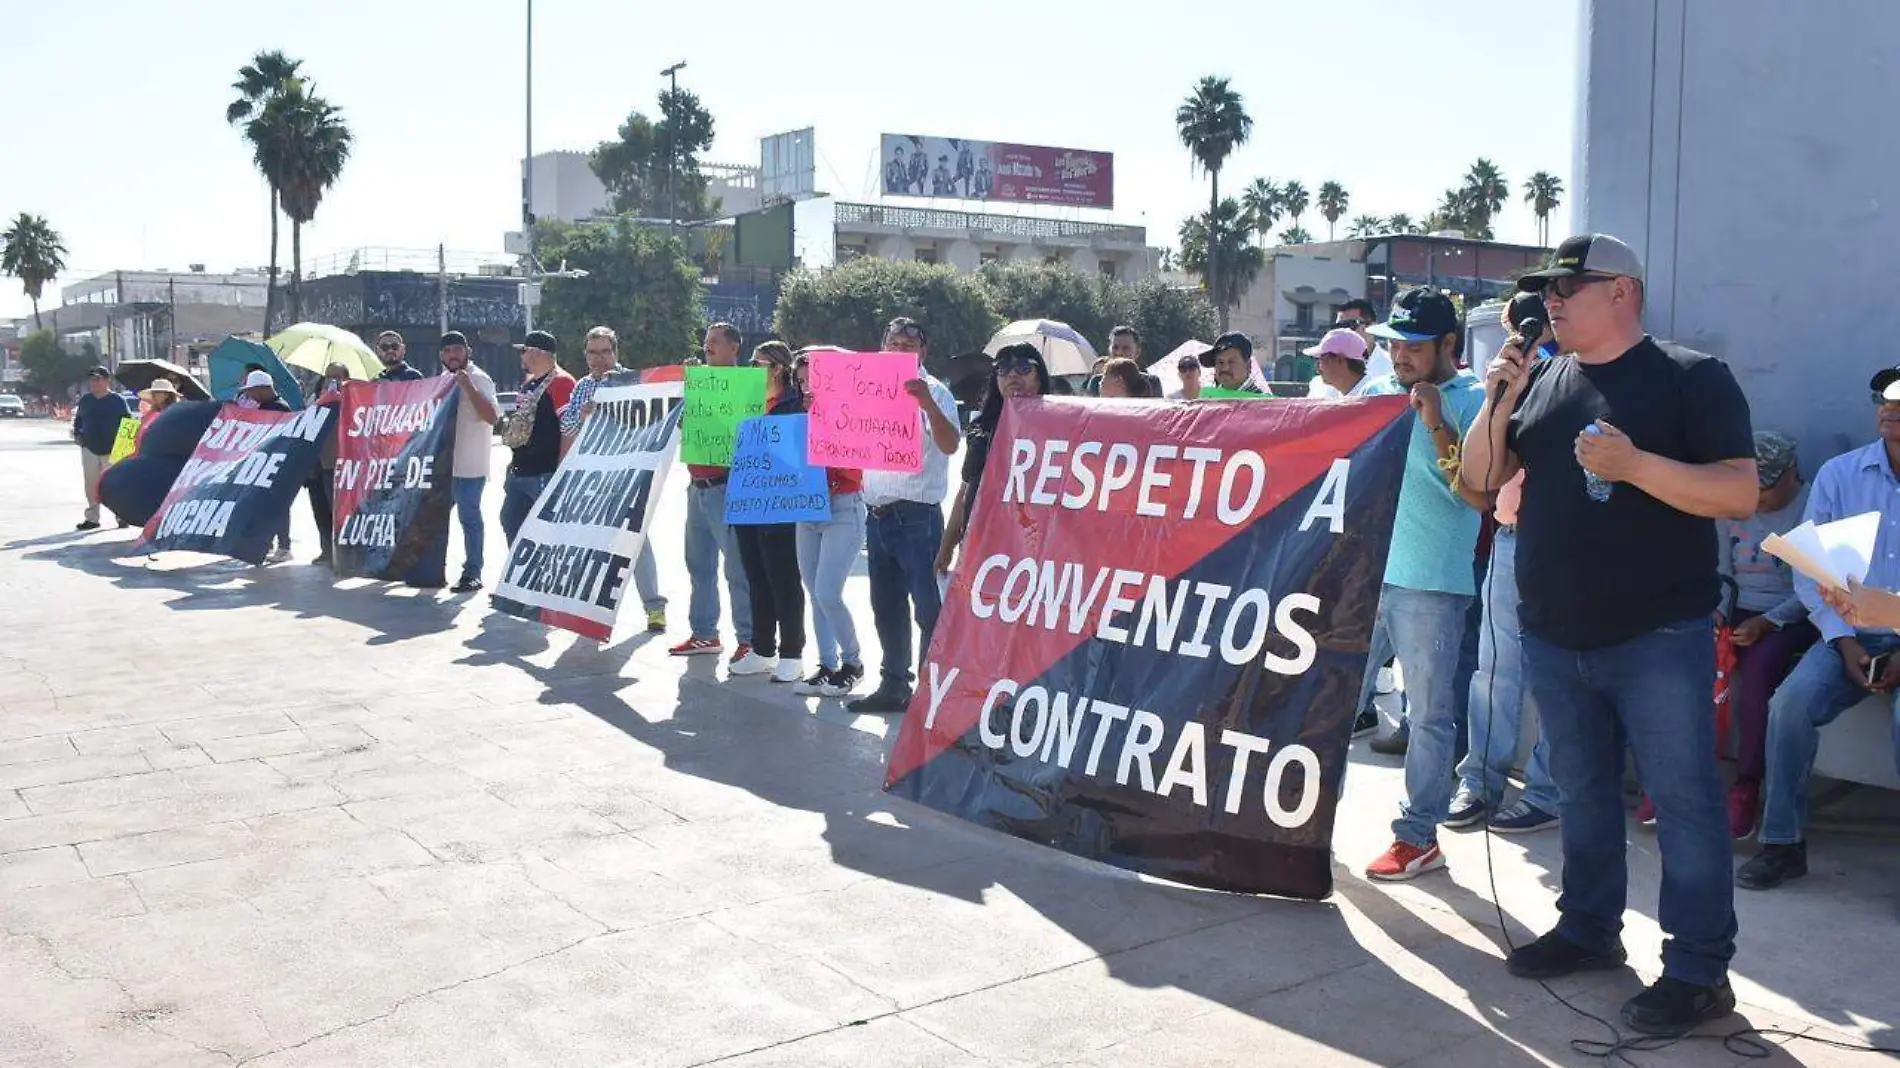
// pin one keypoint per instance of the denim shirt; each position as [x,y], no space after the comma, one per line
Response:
[1851,484]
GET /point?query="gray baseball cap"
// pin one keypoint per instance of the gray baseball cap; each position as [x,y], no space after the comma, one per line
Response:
[1592,254]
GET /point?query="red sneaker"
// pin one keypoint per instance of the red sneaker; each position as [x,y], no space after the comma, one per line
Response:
[1645,811]
[1744,801]
[737,654]
[696,647]
[1405,861]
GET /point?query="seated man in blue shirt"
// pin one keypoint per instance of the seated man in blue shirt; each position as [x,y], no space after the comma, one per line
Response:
[1834,675]
[1429,581]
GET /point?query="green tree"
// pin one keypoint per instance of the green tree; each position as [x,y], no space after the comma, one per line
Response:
[1040,291]
[264,80]
[1452,213]
[305,144]
[633,167]
[1293,198]
[1211,123]
[1261,201]
[31,251]
[51,371]
[640,281]
[1333,201]
[1295,235]
[849,305]
[1363,226]
[1484,193]
[1165,315]
[1215,246]
[1543,191]
[1404,224]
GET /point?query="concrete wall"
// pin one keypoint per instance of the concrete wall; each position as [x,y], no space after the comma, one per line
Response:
[1740,147]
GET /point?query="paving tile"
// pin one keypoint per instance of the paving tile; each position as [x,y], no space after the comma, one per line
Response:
[32,750]
[51,866]
[70,769]
[238,726]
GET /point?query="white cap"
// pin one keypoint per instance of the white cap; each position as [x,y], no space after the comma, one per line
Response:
[259,378]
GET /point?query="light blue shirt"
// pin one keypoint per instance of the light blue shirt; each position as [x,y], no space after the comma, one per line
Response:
[1855,483]
[1435,534]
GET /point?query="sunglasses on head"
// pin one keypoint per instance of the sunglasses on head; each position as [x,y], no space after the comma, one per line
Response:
[905,330]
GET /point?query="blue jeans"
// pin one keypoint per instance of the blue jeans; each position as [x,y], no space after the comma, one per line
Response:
[518,494]
[468,506]
[903,542]
[708,539]
[1426,628]
[1651,693]
[646,579]
[1497,694]
[826,553]
[1813,695]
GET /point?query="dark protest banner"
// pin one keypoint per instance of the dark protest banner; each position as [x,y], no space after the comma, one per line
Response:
[572,563]
[1151,650]
[395,459]
[235,492]
[771,481]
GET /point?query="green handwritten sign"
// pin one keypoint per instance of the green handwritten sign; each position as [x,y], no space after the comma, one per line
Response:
[1222,393]
[718,399]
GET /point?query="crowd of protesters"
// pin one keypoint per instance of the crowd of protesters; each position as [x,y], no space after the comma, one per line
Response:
[1579,529]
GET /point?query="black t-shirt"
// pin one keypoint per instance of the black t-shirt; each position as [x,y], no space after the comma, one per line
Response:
[976,453]
[542,454]
[1592,574]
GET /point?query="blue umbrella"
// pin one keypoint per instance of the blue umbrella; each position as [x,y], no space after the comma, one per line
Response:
[230,358]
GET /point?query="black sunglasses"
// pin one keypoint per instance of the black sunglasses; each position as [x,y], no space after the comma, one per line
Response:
[1568,286]
[1349,324]
[1016,365]
[902,329]
[1881,400]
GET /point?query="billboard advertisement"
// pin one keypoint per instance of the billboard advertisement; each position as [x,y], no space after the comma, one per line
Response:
[992,170]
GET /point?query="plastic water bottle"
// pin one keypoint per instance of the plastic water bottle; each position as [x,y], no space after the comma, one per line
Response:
[1594,484]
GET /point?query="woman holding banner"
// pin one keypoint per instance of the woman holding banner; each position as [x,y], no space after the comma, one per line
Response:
[770,551]
[826,553]
[1017,371]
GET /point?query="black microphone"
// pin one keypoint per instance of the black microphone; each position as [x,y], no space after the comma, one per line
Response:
[1527,332]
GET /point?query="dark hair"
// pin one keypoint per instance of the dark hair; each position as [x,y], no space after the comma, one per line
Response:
[992,413]
[1189,362]
[1128,374]
[728,331]
[1125,329]
[1360,305]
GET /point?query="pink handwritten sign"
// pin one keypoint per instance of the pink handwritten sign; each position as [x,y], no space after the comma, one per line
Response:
[860,415]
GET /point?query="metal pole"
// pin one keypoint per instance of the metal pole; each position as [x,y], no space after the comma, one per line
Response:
[441,290]
[171,317]
[527,177]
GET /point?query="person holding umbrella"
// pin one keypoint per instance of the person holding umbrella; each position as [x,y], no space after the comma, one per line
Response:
[1019,372]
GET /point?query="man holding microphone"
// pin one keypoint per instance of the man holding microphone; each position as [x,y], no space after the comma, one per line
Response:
[1631,453]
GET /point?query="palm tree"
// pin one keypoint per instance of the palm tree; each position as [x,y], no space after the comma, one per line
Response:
[1484,194]
[1543,191]
[1452,213]
[1403,224]
[32,252]
[1215,245]
[1211,123]
[1261,202]
[1295,235]
[1293,198]
[1366,226]
[266,78]
[1333,200]
[307,144]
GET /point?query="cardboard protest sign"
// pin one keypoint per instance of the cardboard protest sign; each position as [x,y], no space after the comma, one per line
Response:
[1152,647]
[718,399]
[771,480]
[860,415]
[395,459]
[235,492]
[572,564]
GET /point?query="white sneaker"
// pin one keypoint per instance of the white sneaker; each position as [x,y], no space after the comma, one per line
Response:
[277,555]
[789,671]
[749,664]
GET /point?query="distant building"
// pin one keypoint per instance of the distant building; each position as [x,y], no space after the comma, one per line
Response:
[144,315]
[968,239]
[565,187]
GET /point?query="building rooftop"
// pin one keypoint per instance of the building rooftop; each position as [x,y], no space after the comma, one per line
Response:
[1028,226]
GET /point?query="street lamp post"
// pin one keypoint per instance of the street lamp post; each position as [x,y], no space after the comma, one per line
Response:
[672,142]
[529,291]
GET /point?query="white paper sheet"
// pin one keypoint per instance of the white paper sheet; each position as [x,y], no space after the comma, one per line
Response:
[1831,553]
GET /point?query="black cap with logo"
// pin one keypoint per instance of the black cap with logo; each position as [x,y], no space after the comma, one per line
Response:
[1228,341]
[1420,314]
[539,339]
[454,337]
[1586,254]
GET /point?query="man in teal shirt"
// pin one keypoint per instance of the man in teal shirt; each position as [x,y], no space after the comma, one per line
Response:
[1429,580]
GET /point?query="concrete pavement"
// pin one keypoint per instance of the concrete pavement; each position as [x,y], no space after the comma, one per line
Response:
[251,817]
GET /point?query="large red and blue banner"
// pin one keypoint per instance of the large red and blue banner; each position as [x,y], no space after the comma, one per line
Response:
[1151,650]
[395,460]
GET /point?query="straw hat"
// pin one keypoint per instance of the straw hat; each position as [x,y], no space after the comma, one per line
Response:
[160,385]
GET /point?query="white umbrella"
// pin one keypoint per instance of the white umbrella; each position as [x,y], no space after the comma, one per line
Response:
[1063,349]
[1166,370]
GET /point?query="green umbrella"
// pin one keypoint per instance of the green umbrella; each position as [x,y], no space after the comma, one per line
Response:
[315,346]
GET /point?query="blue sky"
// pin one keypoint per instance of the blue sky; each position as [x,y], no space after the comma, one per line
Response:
[114,108]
